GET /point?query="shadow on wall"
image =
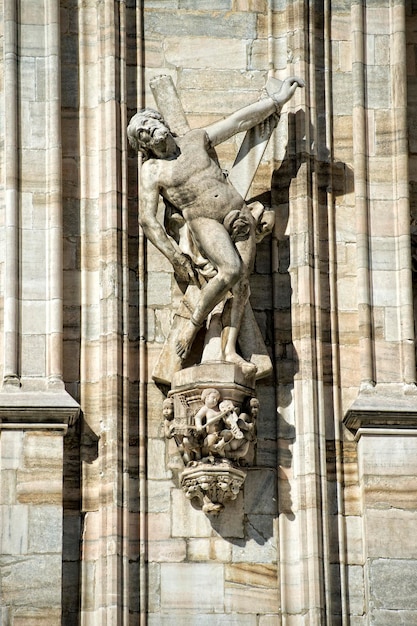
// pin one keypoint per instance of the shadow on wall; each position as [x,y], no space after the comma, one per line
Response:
[249,520]
[286,438]
[267,489]
[305,146]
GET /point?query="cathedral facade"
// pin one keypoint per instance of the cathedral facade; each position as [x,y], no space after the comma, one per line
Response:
[105,510]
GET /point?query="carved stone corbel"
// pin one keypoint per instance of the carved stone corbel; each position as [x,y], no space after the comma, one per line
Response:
[211,413]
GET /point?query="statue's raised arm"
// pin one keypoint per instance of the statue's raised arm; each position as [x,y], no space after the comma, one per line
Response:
[253,114]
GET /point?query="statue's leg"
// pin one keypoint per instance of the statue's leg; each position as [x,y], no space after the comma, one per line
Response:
[215,243]
[240,298]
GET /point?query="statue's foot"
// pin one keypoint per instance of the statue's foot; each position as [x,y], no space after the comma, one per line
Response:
[248,369]
[182,349]
[185,340]
[219,448]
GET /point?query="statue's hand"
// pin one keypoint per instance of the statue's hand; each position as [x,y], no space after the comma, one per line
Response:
[287,90]
[183,268]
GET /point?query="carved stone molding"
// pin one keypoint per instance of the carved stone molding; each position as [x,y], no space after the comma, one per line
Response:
[38,408]
[383,408]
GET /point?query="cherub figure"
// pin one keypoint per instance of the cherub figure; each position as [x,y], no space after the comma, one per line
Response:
[168,415]
[243,448]
[185,173]
[231,418]
[219,421]
[208,421]
[188,444]
[207,418]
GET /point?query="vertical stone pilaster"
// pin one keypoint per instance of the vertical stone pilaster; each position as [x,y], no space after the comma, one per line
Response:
[33,329]
[109,587]
[10,364]
[307,354]
[53,198]
[402,194]
[35,409]
[361,165]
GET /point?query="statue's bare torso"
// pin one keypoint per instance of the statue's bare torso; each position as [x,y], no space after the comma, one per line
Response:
[193,182]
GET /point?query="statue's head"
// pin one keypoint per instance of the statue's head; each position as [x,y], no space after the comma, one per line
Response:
[140,130]
[226,405]
[168,408]
[254,406]
[210,396]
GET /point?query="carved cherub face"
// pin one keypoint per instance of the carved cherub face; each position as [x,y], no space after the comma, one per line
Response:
[210,398]
[168,409]
[226,405]
[254,407]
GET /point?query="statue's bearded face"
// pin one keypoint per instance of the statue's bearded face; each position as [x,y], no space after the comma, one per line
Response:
[156,137]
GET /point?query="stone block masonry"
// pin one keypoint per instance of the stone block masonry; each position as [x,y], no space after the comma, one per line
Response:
[95,528]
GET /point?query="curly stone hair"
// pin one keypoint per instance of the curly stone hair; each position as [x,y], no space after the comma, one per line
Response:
[206,392]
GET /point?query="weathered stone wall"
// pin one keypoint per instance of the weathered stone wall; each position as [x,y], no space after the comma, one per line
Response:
[307,540]
[31,524]
[387,477]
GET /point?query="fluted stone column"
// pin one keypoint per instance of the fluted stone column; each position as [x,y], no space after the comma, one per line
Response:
[33,279]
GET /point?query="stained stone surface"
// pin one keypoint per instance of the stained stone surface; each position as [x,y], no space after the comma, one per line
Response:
[31,524]
[94,525]
[393,585]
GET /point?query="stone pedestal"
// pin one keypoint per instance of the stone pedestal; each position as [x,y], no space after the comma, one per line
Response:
[32,428]
[213,454]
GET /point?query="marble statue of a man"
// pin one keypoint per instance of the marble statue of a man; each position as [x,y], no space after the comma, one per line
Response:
[183,170]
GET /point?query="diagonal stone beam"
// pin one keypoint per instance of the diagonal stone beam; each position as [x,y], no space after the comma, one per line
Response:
[169,104]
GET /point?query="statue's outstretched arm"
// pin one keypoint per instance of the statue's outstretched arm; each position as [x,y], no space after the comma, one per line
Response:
[253,114]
